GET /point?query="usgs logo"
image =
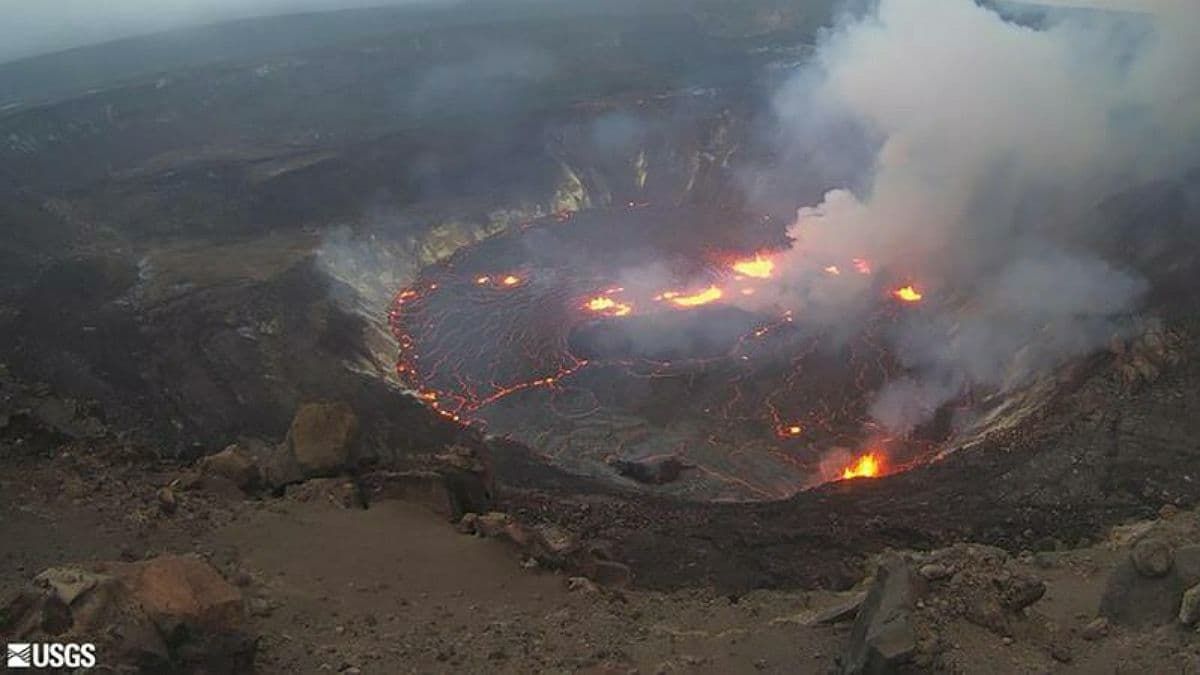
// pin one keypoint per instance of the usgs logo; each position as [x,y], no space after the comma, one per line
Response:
[51,655]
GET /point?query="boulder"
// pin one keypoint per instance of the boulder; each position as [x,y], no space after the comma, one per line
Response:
[1152,558]
[180,589]
[883,638]
[322,438]
[1133,598]
[234,465]
[168,614]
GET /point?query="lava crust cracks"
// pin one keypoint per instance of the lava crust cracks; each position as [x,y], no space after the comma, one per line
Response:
[525,335]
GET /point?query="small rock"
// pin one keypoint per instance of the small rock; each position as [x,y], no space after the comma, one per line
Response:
[1007,640]
[935,571]
[491,524]
[1061,653]
[582,585]
[1168,511]
[233,465]
[1152,558]
[167,502]
[1189,608]
[260,607]
[339,492]
[521,536]
[1020,591]
[468,523]
[1096,629]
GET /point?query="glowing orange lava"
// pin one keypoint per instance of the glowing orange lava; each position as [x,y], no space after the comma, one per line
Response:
[833,270]
[869,465]
[608,307]
[907,294]
[861,266]
[710,294]
[510,280]
[759,267]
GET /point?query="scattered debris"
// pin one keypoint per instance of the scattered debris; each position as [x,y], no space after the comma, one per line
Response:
[172,613]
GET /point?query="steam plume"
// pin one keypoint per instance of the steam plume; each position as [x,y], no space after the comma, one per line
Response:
[995,143]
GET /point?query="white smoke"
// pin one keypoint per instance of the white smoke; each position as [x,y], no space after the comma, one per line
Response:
[995,142]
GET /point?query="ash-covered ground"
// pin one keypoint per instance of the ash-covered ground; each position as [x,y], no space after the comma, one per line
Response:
[325,332]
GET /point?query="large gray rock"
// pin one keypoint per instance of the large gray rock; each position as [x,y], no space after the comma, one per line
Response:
[884,638]
[1131,598]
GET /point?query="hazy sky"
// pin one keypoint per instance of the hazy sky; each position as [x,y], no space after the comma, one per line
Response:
[29,27]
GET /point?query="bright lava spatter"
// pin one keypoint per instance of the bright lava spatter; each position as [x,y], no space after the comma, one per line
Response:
[531,355]
[908,294]
[869,465]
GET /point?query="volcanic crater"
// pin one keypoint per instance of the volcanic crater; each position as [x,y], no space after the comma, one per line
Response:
[547,268]
[607,339]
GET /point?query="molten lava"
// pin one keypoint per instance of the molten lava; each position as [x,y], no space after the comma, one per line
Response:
[710,294]
[608,307]
[869,465]
[907,294]
[510,280]
[833,270]
[861,266]
[758,267]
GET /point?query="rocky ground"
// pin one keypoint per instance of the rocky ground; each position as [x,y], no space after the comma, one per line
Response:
[222,565]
